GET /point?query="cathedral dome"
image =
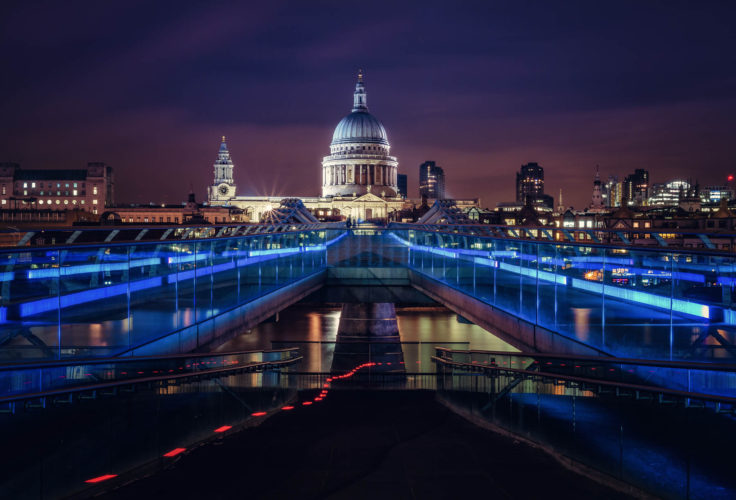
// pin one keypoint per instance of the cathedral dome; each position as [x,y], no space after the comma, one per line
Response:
[359,160]
[360,126]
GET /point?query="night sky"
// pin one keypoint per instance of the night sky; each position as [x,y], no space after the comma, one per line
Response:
[479,87]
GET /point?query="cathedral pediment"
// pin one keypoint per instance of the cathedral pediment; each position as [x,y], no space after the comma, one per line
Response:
[369,198]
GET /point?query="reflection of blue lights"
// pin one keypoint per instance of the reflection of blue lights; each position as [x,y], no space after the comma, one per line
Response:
[202,271]
[8,276]
[650,299]
[533,273]
[74,299]
[626,294]
[183,259]
[335,240]
[54,272]
[486,262]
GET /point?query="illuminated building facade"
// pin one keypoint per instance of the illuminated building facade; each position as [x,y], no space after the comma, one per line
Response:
[636,187]
[431,181]
[359,177]
[88,189]
[359,160]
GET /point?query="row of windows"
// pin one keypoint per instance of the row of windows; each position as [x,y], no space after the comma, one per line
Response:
[51,202]
[359,148]
[58,193]
[152,219]
[50,185]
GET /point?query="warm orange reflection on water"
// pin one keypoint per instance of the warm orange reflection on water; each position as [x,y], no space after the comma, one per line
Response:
[314,331]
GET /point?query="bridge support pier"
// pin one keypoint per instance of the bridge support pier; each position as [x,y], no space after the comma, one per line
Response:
[368,332]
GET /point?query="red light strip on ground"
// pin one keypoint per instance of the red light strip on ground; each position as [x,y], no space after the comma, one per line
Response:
[287,408]
[99,479]
[224,428]
[175,452]
[258,414]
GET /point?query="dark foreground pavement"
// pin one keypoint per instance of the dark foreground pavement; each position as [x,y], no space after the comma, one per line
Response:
[364,444]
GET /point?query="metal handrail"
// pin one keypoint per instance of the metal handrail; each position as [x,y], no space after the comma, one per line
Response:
[143,380]
[592,382]
[244,230]
[685,365]
[613,239]
[91,361]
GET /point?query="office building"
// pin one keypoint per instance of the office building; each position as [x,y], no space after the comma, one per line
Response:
[89,189]
[431,181]
[402,185]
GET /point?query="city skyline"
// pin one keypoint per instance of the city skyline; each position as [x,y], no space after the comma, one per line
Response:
[481,90]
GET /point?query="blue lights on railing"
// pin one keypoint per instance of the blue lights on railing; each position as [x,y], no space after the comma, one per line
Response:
[39,306]
[74,299]
[596,263]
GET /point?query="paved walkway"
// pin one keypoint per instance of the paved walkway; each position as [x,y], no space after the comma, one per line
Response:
[370,445]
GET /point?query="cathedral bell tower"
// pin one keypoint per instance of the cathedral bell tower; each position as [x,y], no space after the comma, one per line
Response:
[223,187]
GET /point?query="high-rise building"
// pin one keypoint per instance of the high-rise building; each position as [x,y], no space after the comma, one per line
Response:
[714,194]
[668,194]
[612,191]
[530,186]
[402,185]
[431,181]
[636,187]
[529,182]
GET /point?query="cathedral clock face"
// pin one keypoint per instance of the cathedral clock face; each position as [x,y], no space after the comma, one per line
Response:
[223,189]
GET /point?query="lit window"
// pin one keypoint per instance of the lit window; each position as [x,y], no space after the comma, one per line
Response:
[74,202]
[74,193]
[57,202]
[25,193]
[94,202]
[58,184]
[66,185]
[25,184]
[40,202]
[66,202]
[82,202]
[75,184]
[94,190]
[33,184]
[5,201]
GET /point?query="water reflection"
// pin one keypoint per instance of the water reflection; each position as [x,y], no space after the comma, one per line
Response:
[313,329]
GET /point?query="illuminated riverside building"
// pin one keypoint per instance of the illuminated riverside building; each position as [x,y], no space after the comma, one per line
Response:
[88,189]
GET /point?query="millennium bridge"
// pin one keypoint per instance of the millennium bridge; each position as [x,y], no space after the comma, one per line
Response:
[623,357]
